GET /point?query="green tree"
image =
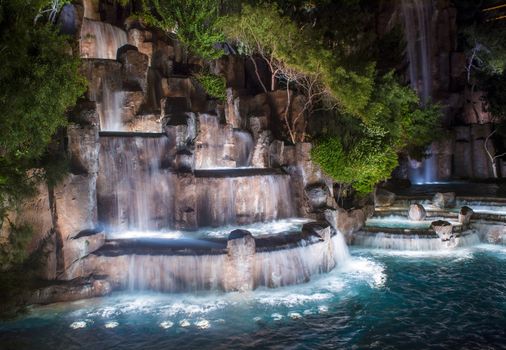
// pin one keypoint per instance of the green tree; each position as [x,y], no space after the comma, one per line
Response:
[363,152]
[194,22]
[40,81]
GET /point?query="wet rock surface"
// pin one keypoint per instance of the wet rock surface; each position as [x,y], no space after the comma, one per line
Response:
[417,212]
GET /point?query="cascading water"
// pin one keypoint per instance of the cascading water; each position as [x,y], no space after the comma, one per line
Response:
[186,272]
[243,200]
[211,142]
[134,189]
[417,29]
[110,109]
[412,242]
[101,40]
[244,148]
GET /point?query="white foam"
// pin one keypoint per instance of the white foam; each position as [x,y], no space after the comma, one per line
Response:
[78,325]
[111,324]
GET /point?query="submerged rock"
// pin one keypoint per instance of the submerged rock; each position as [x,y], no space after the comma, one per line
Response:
[444,200]
[383,198]
[416,212]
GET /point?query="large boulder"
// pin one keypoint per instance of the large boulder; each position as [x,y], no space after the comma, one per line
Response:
[416,212]
[443,229]
[346,222]
[317,194]
[383,198]
[444,200]
[465,215]
[321,229]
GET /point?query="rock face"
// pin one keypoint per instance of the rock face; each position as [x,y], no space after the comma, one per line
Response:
[444,200]
[465,215]
[443,229]
[317,195]
[346,222]
[383,198]
[239,268]
[416,212]
[76,205]
[64,292]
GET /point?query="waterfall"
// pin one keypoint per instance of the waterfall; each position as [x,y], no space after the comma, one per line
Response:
[244,144]
[178,273]
[243,200]
[134,191]
[175,273]
[111,109]
[101,40]
[417,30]
[412,242]
[211,142]
[417,16]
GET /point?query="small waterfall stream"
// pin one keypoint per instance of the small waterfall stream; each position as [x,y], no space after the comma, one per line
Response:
[110,109]
[101,40]
[418,33]
[134,189]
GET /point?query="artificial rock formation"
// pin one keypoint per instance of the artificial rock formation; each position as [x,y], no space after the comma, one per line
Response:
[416,212]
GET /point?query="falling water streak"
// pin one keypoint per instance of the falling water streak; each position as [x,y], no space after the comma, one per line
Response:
[243,200]
[211,143]
[243,142]
[411,242]
[417,28]
[134,192]
[417,14]
[101,40]
[110,109]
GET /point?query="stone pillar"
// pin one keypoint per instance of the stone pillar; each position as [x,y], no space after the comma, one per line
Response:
[240,262]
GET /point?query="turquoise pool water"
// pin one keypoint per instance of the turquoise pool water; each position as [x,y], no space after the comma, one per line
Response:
[378,300]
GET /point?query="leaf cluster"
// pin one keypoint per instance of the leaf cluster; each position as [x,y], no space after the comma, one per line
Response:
[194,22]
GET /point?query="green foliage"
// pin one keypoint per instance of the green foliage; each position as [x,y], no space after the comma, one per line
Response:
[214,85]
[364,163]
[263,30]
[487,42]
[192,20]
[364,152]
[495,86]
[14,249]
[40,81]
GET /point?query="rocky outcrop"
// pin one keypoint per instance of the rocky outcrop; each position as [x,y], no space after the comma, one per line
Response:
[70,291]
[383,198]
[347,222]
